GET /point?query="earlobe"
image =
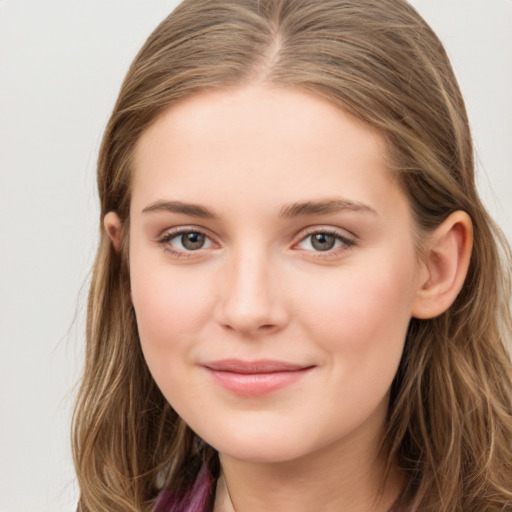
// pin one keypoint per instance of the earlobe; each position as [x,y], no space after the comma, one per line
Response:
[112,225]
[445,266]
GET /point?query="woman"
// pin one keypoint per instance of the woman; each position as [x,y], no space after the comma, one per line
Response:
[298,301]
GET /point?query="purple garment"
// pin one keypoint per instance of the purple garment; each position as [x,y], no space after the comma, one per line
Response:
[199,498]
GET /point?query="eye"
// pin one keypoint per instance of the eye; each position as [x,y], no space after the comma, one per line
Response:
[324,241]
[185,241]
[192,241]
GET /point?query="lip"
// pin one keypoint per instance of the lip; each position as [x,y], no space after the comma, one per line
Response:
[253,378]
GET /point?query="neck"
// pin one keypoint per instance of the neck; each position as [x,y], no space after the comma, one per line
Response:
[341,477]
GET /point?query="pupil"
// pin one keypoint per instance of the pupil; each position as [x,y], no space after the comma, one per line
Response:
[323,242]
[192,241]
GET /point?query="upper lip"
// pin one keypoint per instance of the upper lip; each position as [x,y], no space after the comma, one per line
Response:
[253,367]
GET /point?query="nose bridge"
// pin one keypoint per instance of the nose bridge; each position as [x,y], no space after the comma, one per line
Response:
[250,301]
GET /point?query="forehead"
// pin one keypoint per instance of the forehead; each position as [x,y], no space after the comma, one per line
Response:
[257,113]
[272,144]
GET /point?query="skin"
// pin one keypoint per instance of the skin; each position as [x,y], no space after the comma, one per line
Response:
[260,289]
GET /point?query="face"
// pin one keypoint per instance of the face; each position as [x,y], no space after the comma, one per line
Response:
[273,270]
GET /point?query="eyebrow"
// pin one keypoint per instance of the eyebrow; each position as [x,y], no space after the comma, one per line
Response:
[324,207]
[299,209]
[195,210]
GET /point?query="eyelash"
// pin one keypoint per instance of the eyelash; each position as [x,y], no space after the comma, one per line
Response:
[346,242]
[167,237]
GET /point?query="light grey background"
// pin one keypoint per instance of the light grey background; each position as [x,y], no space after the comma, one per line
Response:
[61,64]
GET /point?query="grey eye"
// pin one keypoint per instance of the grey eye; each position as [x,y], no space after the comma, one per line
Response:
[192,241]
[322,241]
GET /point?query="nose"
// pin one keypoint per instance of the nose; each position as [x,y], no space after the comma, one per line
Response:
[252,299]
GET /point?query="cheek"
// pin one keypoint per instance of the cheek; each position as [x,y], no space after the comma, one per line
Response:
[362,312]
[170,307]
[359,321]
[171,312]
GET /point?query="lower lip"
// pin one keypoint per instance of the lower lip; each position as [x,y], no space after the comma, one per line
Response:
[255,384]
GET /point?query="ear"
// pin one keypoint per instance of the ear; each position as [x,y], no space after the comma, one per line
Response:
[445,265]
[112,225]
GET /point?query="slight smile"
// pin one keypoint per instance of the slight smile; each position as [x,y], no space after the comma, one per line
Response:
[253,378]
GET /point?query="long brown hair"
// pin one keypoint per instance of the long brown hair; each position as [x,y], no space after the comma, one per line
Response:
[450,416]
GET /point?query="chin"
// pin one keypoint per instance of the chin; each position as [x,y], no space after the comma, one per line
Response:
[260,446]
[262,453]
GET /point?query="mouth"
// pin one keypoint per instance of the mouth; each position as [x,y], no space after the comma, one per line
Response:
[253,378]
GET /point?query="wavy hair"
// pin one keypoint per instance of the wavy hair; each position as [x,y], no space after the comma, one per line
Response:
[449,426]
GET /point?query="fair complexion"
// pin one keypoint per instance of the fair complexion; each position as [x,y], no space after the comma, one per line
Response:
[274,271]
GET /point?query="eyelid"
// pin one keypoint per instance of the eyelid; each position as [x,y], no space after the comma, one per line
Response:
[348,239]
[321,228]
[168,234]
